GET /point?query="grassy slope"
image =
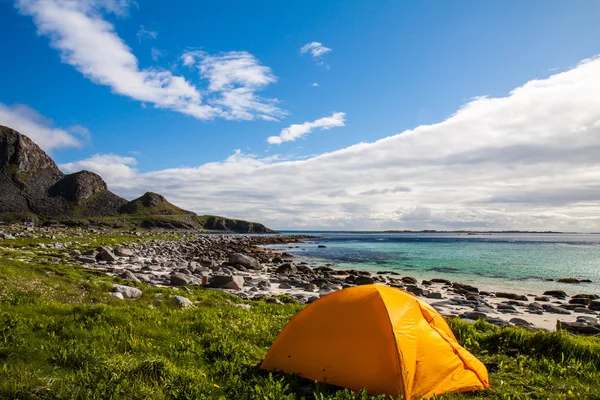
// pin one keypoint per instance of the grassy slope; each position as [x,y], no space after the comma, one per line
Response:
[62,338]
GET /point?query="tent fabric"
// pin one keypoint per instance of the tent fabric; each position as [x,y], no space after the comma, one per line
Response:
[377,338]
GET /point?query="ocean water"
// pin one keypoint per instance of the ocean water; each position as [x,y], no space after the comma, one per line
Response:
[522,260]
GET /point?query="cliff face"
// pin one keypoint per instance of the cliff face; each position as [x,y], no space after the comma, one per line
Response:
[32,184]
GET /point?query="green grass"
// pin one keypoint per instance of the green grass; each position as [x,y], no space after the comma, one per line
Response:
[61,337]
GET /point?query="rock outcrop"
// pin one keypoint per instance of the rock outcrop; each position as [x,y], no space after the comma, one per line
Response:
[31,183]
[32,186]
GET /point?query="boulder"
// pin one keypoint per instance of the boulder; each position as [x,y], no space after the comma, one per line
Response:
[182,302]
[594,305]
[123,252]
[116,295]
[439,280]
[364,280]
[409,279]
[287,269]
[242,259]
[127,291]
[227,282]
[86,259]
[414,290]
[179,279]
[580,300]
[128,276]
[559,294]
[473,315]
[555,310]
[105,254]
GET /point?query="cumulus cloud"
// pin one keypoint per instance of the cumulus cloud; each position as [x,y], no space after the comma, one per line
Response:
[315,84]
[528,160]
[110,166]
[90,44]
[297,131]
[40,129]
[316,49]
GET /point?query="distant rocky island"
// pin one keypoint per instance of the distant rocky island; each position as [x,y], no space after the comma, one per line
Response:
[32,188]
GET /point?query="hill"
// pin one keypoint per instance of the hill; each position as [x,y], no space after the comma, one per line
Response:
[33,187]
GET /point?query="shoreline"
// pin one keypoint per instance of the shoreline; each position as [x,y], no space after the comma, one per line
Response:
[243,265]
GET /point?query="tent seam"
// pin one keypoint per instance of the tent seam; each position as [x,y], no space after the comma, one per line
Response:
[399,358]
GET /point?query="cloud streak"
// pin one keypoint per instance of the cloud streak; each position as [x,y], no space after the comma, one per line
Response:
[90,44]
[297,131]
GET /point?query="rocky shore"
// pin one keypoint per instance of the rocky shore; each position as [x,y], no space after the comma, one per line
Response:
[240,264]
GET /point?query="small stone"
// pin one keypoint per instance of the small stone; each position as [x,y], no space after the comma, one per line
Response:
[128,276]
[123,252]
[116,295]
[227,282]
[243,306]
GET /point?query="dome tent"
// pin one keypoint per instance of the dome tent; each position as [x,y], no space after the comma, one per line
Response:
[377,338]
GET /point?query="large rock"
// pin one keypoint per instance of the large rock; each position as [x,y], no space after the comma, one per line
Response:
[242,259]
[287,269]
[182,302]
[227,282]
[123,252]
[364,280]
[594,305]
[105,254]
[127,291]
[179,279]
[559,294]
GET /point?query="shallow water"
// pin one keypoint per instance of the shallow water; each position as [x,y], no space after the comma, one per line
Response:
[506,260]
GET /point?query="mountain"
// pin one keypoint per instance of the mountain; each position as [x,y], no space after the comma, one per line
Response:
[152,204]
[32,186]
[31,183]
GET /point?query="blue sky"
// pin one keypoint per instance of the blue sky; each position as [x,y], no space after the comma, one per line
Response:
[384,67]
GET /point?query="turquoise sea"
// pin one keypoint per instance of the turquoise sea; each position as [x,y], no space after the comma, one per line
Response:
[515,260]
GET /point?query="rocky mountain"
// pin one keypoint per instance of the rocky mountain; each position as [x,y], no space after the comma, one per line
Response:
[152,204]
[32,185]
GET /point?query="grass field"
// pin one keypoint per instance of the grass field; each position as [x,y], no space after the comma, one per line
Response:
[61,337]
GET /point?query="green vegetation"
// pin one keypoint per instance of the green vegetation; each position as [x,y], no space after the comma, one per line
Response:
[62,337]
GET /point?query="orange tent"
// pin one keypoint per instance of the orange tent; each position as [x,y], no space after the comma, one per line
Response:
[377,338]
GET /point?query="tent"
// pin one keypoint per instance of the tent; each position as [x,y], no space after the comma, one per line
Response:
[377,338]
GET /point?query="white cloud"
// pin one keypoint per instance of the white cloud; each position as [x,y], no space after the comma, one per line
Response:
[156,54]
[110,166]
[315,84]
[235,77]
[143,34]
[296,131]
[39,129]
[316,49]
[90,44]
[525,161]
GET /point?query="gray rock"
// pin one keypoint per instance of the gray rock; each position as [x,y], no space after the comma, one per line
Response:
[555,310]
[116,295]
[410,280]
[123,252]
[310,287]
[473,315]
[285,285]
[264,285]
[128,276]
[179,279]
[106,255]
[519,322]
[242,259]
[287,269]
[127,291]
[87,259]
[594,305]
[364,280]
[244,306]
[227,282]
[542,298]
[433,295]
[506,308]
[414,290]
[182,302]
[559,294]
